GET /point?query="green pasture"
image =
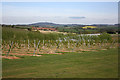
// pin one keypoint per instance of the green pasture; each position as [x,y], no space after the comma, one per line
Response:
[92,64]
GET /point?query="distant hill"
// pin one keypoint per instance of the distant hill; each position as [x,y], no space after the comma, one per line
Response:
[46,24]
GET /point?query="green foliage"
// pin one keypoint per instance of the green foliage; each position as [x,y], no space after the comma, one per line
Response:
[77,30]
[105,36]
[7,34]
[21,34]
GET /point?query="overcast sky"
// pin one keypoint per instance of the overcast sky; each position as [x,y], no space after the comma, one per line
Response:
[60,12]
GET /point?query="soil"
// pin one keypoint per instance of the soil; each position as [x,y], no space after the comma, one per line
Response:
[37,55]
[19,54]
[10,57]
[85,50]
[103,49]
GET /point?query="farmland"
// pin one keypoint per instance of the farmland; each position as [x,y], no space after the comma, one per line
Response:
[29,54]
[59,40]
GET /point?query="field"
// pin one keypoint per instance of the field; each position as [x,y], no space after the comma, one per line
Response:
[89,64]
[28,54]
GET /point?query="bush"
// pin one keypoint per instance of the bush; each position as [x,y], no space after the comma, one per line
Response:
[105,36]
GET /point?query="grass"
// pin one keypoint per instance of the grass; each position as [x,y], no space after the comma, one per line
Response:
[101,64]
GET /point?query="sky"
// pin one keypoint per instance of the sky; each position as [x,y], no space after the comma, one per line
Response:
[60,12]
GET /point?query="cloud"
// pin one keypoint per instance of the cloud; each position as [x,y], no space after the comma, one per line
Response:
[77,17]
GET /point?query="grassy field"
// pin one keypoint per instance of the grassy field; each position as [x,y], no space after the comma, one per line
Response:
[97,64]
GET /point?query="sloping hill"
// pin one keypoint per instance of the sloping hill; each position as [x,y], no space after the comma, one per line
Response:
[46,24]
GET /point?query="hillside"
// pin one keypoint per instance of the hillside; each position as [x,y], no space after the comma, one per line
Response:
[48,24]
[45,24]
